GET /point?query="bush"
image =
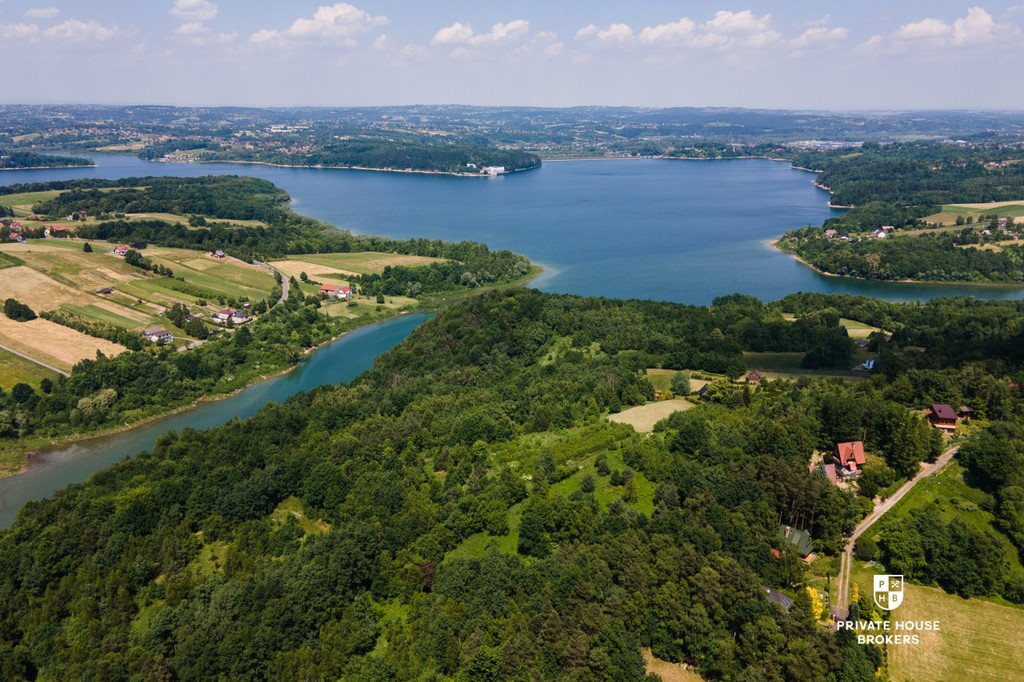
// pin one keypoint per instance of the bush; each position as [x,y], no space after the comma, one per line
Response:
[19,312]
[865,549]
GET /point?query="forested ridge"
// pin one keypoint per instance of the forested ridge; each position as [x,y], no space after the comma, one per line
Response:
[383,154]
[898,185]
[338,535]
[21,159]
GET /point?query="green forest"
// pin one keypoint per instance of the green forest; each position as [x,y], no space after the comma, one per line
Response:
[12,159]
[463,511]
[374,153]
[898,185]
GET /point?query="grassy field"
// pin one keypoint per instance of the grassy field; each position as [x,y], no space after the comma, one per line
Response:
[787,366]
[669,672]
[644,417]
[952,498]
[977,640]
[604,492]
[16,369]
[949,212]
[857,329]
[358,263]
[53,344]
[291,507]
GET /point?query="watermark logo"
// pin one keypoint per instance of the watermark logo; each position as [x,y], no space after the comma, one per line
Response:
[888,591]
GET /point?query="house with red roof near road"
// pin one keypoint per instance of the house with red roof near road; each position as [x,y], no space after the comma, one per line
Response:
[849,458]
[942,416]
[335,291]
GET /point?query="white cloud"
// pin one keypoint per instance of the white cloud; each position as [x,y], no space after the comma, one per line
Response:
[191,28]
[382,42]
[977,27]
[926,28]
[42,13]
[872,44]
[819,35]
[463,34]
[739,22]
[613,33]
[677,31]
[18,31]
[74,30]
[191,11]
[338,23]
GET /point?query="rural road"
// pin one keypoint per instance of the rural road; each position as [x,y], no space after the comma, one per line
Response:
[278,276]
[842,604]
[33,360]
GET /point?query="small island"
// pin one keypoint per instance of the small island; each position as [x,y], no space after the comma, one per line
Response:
[21,160]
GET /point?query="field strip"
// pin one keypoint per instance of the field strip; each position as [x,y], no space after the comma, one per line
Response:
[33,360]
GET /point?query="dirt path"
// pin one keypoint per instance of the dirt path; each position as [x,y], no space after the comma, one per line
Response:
[842,604]
[278,276]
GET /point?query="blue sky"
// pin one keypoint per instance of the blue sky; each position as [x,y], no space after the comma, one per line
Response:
[794,54]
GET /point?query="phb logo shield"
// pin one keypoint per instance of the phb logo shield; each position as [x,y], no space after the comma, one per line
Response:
[888,591]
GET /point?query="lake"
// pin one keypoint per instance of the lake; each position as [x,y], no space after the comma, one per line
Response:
[684,231]
[675,230]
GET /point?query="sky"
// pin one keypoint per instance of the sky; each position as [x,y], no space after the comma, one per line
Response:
[795,54]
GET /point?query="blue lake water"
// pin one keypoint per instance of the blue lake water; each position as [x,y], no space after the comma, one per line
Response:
[684,231]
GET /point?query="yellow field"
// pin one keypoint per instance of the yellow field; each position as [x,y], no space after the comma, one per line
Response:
[978,640]
[361,262]
[15,369]
[669,672]
[37,290]
[294,268]
[644,417]
[52,344]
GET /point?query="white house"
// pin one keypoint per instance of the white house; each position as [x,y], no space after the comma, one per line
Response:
[494,170]
[158,335]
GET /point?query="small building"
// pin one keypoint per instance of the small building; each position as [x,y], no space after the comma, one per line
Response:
[868,364]
[494,170]
[335,291]
[965,412]
[224,315]
[942,416]
[879,234]
[239,316]
[121,250]
[106,291]
[776,597]
[849,458]
[218,254]
[800,539]
[888,228]
[831,234]
[754,377]
[703,393]
[158,335]
[1003,223]
[16,237]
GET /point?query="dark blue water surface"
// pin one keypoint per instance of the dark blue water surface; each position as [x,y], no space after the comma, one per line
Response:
[684,231]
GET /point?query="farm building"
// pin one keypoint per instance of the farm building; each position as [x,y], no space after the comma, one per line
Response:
[335,291]
[158,335]
[942,416]
[966,412]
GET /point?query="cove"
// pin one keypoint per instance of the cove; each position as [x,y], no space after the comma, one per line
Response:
[341,361]
[671,230]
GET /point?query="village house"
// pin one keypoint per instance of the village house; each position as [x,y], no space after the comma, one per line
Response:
[494,170]
[121,250]
[965,412]
[1003,223]
[106,291]
[942,416]
[801,541]
[158,335]
[224,315]
[16,237]
[218,254]
[849,458]
[754,377]
[888,228]
[831,234]
[335,291]
[239,316]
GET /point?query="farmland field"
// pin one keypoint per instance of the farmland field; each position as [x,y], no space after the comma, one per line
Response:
[949,212]
[16,369]
[51,343]
[362,262]
[644,417]
[977,640]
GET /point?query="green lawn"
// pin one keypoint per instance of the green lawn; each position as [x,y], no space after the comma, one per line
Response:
[292,507]
[949,212]
[101,315]
[15,369]
[27,198]
[787,366]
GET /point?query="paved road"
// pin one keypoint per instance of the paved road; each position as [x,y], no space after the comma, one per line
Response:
[273,271]
[33,360]
[842,604]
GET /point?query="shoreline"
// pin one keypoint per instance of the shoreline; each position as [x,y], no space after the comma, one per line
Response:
[355,168]
[774,244]
[75,438]
[91,165]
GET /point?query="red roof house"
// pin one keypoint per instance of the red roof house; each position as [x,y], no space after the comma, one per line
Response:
[849,457]
[942,416]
